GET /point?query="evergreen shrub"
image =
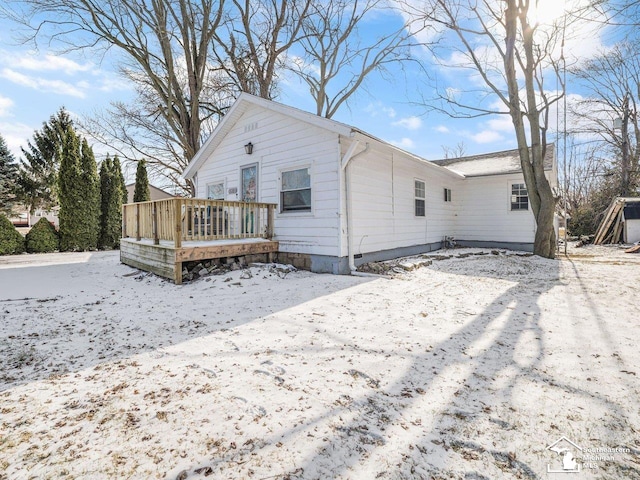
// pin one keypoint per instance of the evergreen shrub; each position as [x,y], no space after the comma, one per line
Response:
[11,242]
[43,238]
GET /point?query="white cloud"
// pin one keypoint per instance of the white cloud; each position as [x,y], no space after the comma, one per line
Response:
[5,106]
[16,135]
[374,109]
[410,123]
[501,123]
[48,63]
[442,129]
[54,86]
[487,136]
[111,83]
[405,143]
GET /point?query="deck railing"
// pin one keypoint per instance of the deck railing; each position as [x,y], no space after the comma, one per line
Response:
[185,219]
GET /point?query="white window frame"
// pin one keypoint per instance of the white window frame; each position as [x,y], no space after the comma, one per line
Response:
[303,212]
[417,198]
[447,194]
[516,202]
[224,189]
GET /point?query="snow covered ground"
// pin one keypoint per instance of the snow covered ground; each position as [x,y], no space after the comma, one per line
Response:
[465,369]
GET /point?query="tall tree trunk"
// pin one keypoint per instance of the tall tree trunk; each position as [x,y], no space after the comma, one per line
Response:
[532,159]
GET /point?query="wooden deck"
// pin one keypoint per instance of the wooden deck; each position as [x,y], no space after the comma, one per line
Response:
[160,236]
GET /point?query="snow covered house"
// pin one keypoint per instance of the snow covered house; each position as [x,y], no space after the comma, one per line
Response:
[342,197]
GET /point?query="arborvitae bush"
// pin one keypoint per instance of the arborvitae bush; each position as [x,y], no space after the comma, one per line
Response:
[141,192]
[90,193]
[43,238]
[111,204]
[11,242]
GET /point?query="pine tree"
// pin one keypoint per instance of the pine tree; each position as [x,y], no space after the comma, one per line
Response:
[90,191]
[8,177]
[121,189]
[123,186]
[36,185]
[111,204]
[106,192]
[69,195]
[141,191]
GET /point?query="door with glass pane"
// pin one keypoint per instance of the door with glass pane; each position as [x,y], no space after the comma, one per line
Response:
[248,193]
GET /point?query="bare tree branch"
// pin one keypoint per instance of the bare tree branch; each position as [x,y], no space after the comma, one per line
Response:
[512,56]
[336,61]
[165,44]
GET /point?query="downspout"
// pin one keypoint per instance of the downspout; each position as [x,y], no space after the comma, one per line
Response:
[348,157]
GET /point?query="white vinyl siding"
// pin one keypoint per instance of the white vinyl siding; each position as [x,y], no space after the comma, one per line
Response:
[383,193]
[484,212]
[282,143]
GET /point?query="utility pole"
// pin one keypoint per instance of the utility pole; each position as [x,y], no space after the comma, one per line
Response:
[624,187]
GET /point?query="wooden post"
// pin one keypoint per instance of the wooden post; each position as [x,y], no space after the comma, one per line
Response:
[270,211]
[124,221]
[138,237]
[154,226]
[177,273]
[177,232]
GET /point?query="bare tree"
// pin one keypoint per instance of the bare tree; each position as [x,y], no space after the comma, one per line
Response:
[610,111]
[454,152]
[188,59]
[513,57]
[138,130]
[253,41]
[334,52]
[586,169]
[165,44]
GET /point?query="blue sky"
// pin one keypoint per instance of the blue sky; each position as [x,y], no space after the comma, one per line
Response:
[34,85]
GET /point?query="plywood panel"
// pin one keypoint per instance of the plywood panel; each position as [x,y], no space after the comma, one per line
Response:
[151,258]
[189,254]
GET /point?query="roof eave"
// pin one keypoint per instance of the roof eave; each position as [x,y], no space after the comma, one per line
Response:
[423,161]
[243,101]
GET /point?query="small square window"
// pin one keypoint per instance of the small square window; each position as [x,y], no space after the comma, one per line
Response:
[420,194]
[215,191]
[519,197]
[447,194]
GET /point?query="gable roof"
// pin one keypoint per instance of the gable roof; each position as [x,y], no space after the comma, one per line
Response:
[496,163]
[246,100]
[241,105]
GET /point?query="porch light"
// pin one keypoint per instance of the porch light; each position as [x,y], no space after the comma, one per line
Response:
[248,148]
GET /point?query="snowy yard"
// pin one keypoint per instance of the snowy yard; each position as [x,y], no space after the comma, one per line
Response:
[466,369]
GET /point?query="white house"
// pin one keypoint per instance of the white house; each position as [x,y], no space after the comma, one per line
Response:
[345,197]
